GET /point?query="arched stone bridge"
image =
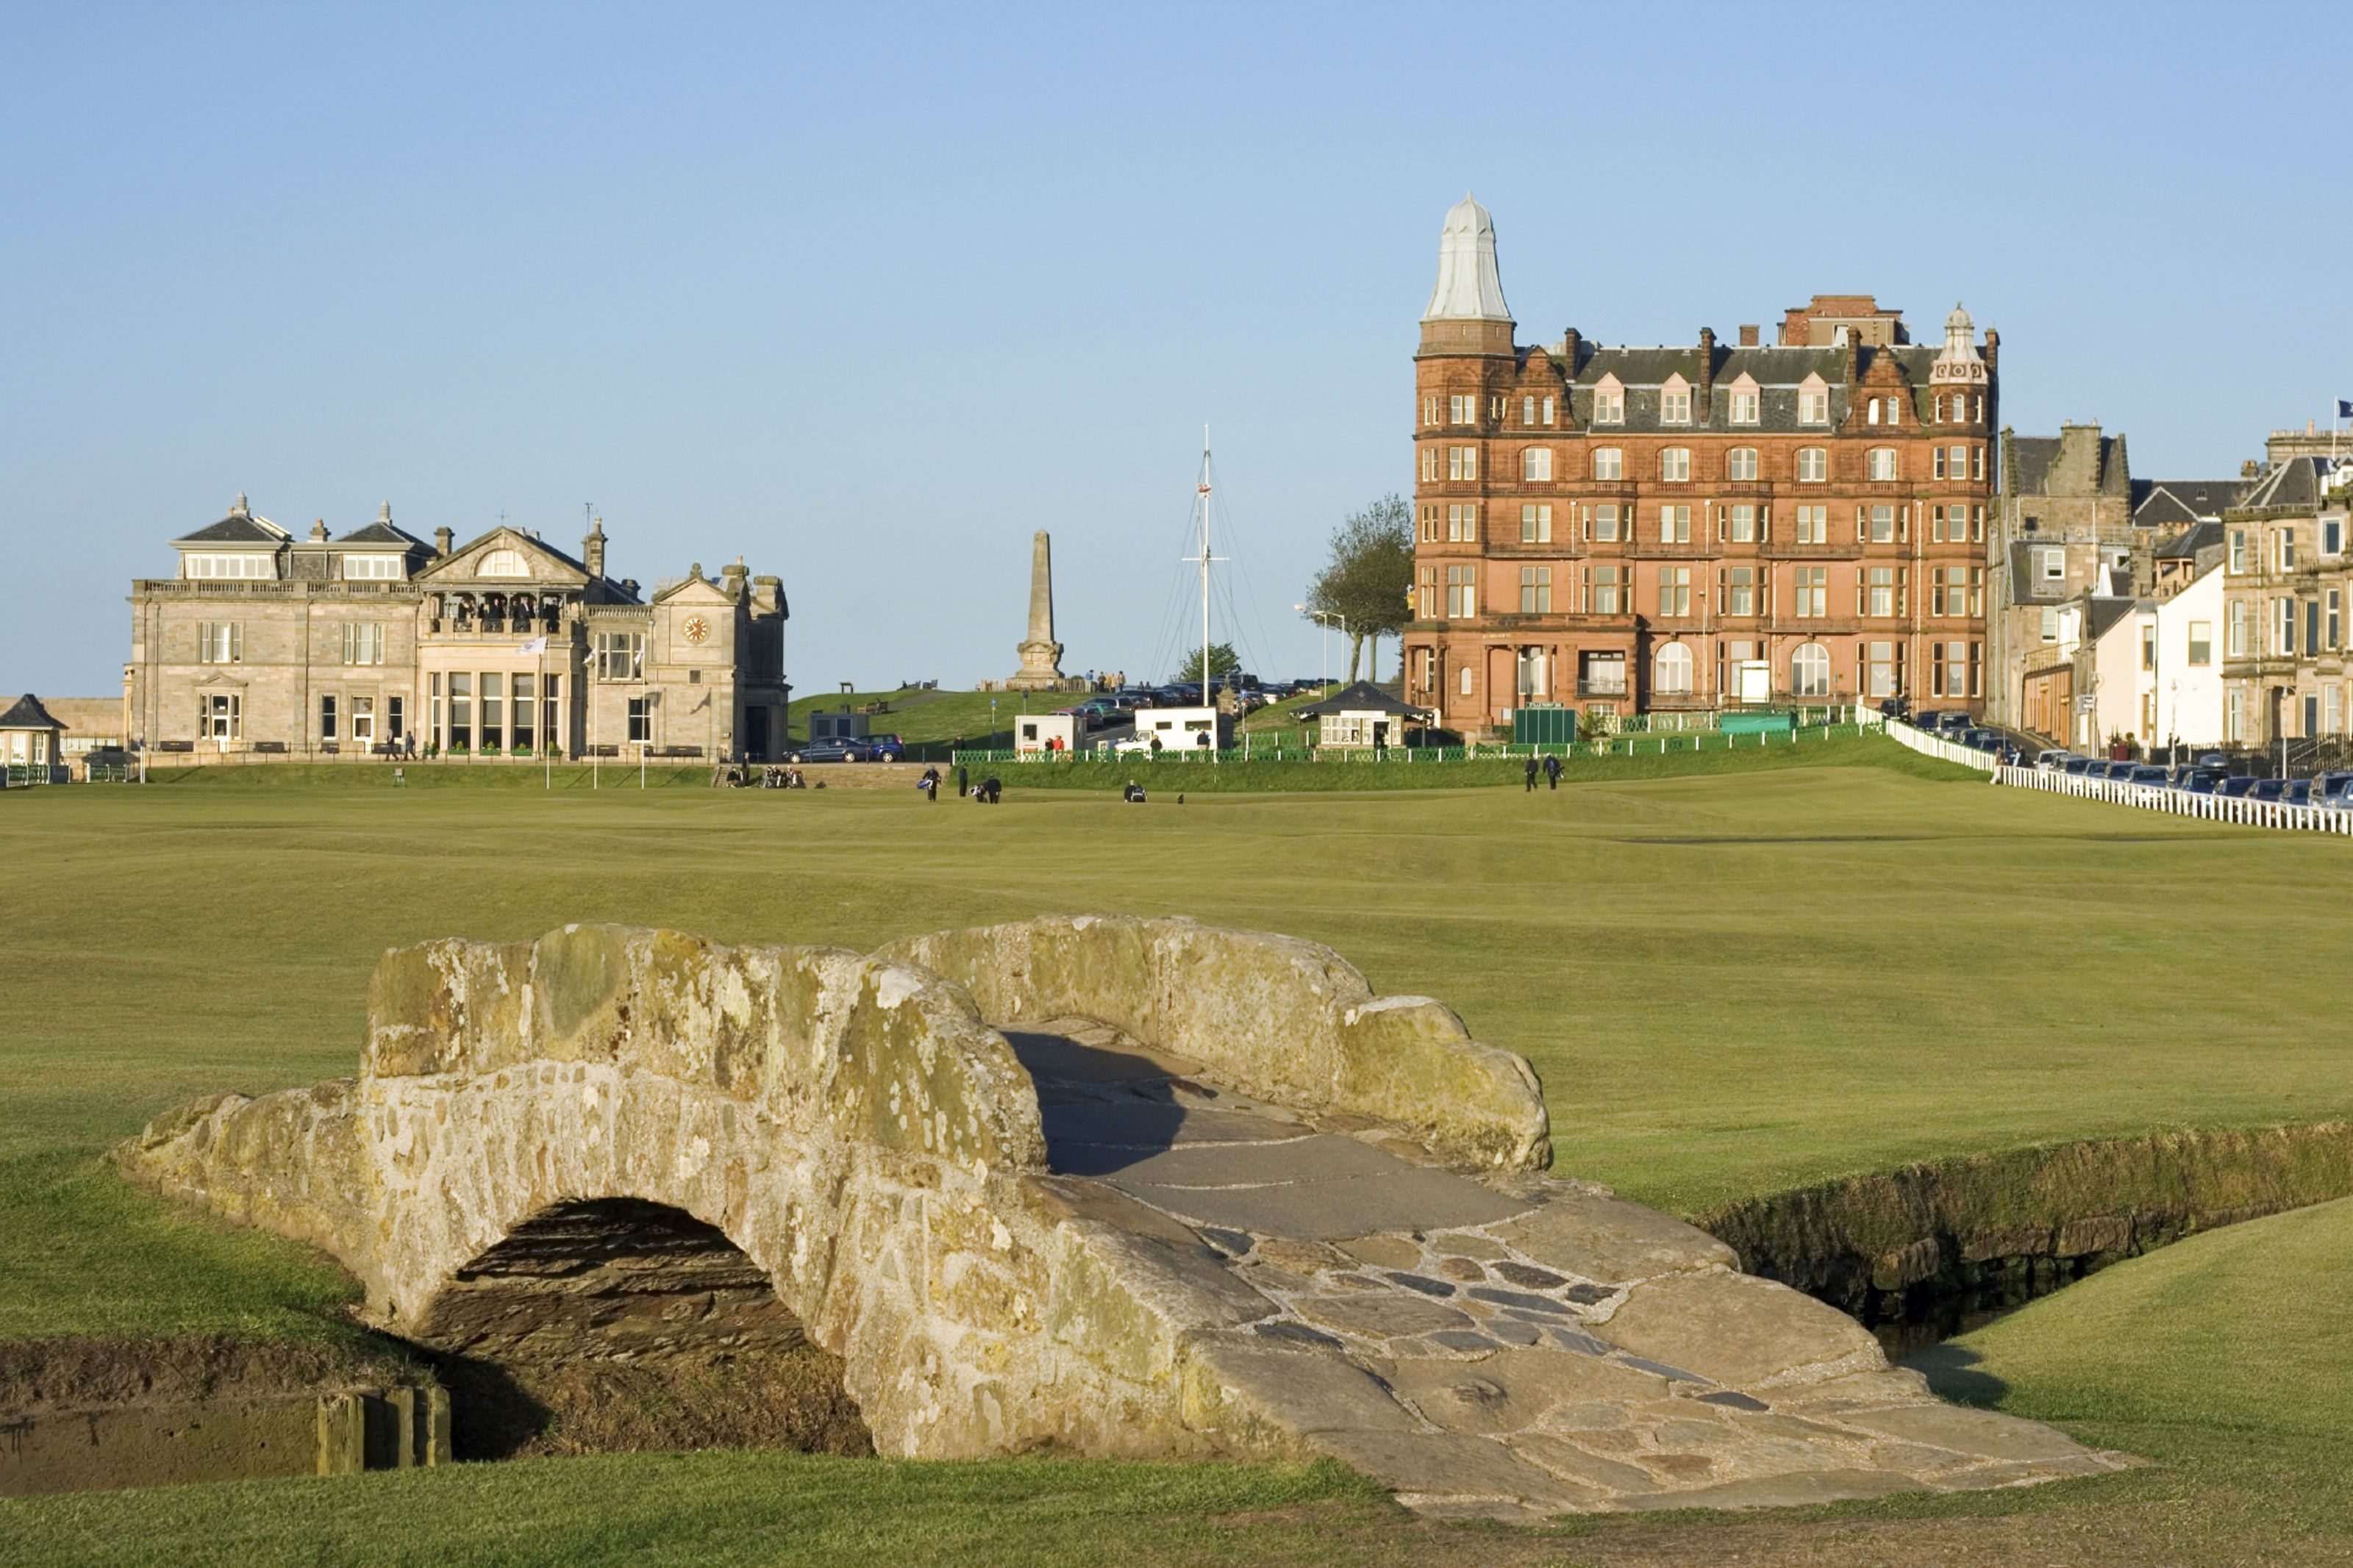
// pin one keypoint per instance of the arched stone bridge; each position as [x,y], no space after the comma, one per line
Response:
[1093,1184]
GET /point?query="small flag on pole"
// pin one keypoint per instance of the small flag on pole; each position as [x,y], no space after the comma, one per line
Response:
[536,646]
[2344,408]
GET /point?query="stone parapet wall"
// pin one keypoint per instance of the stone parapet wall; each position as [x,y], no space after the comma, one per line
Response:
[1273,1014]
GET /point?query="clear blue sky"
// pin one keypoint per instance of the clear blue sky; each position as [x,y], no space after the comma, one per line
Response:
[866,294]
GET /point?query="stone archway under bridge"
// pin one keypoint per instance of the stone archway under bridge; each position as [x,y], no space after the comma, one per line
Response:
[1093,1184]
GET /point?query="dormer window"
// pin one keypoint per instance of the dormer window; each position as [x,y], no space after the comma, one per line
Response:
[371,568]
[205,564]
[1608,402]
[1813,402]
[503,563]
[1675,402]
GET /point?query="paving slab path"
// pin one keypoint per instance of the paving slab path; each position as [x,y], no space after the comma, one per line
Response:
[1507,1347]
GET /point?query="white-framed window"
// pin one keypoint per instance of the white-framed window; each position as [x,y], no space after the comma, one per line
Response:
[2233,728]
[1976,462]
[222,715]
[1873,416]
[1527,410]
[1464,684]
[2284,640]
[2201,643]
[1674,525]
[2237,619]
[1740,524]
[1671,671]
[1809,670]
[1674,464]
[1608,405]
[1739,590]
[1880,592]
[220,642]
[1430,465]
[1462,408]
[2052,563]
[2288,550]
[1547,411]
[1882,667]
[205,564]
[326,715]
[1740,464]
[2238,550]
[1813,405]
[1675,402]
[2050,623]
[1880,463]
[620,655]
[371,568]
[2335,618]
[1601,590]
[1461,462]
[364,719]
[1536,522]
[1601,522]
[1813,465]
[1461,592]
[1462,524]
[362,642]
[1609,463]
[1813,592]
[1882,525]
[2332,536]
[1814,524]
[1535,464]
[1674,590]
[502,563]
[1535,590]
[1429,411]
[1745,406]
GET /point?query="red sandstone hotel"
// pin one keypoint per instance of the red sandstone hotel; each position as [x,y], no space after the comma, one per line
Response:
[1641,529]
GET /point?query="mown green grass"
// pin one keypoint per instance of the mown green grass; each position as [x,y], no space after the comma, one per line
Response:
[1732,982]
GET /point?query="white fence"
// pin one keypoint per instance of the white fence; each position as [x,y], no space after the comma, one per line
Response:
[1935,746]
[2180,802]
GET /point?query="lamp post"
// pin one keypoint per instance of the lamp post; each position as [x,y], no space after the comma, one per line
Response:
[1323,618]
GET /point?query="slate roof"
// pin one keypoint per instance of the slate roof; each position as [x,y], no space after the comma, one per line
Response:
[382,532]
[28,714]
[1778,373]
[2034,456]
[238,528]
[2185,545]
[1364,697]
[2165,504]
[2028,584]
[2293,483]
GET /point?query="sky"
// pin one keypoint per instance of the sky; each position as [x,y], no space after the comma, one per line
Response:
[866,294]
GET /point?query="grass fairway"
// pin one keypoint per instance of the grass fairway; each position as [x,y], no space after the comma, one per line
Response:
[1732,982]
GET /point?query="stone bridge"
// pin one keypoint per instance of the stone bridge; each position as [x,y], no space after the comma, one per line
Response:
[1089,1185]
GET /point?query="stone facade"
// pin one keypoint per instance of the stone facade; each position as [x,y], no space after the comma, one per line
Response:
[376,644]
[1647,529]
[1325,1235]
[2286,577]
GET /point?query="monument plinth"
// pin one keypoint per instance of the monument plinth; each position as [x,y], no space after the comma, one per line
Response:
[1041,656]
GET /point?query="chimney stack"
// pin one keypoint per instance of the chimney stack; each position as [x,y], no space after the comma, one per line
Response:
[442,540]
[1706,373]
[1569,345]
[592,549]
[1749,334]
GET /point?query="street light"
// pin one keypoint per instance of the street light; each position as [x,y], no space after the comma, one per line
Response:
[1321,617]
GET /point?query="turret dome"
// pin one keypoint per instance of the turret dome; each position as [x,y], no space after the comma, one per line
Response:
[1468,287]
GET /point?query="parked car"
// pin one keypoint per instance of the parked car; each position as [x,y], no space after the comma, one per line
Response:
[1927,718]
[2081,767]
[1959,719]
[2216,761]
[2198,781]
[2148,774]
[2052,761]
[2238,788]
[2333,791]
[868,749]
[2297,793]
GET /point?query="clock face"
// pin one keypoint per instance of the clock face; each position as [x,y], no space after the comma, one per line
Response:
[697,629]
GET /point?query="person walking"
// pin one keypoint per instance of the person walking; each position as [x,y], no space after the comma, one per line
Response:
[930,785]
[1552,773]
[963,781]
[1532,774]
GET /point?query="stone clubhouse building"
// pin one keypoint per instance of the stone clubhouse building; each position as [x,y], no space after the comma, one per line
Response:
[264,646]
[1641,529]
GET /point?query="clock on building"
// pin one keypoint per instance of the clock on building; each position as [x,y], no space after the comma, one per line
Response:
[697,628]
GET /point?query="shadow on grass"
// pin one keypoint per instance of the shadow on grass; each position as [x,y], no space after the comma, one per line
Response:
[1954,1373]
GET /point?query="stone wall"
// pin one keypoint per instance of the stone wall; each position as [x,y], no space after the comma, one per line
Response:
[1278,1017]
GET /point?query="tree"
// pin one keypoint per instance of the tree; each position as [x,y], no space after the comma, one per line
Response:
[1223,662]
[1368,579]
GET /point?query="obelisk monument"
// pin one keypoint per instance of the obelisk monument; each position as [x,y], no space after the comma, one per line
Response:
[1041,656]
